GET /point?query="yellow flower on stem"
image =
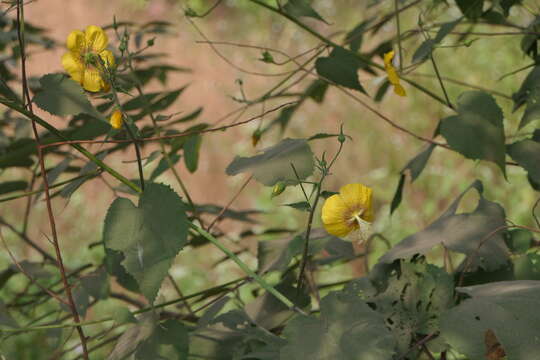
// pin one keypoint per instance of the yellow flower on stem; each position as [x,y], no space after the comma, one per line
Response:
[348,211]
[393,77]
[116,119]
[87,57]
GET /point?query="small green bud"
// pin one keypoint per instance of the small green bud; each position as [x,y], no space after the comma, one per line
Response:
[267,57]
[278,189]
[150,42]
[191,13]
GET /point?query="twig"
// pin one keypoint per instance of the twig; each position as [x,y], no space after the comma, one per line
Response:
[73,308]
[226,207]
[32,280]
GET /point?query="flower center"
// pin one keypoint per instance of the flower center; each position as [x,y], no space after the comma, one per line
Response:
[354,215]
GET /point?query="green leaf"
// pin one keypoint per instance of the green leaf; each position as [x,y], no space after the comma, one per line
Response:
[519,240]
[355,36]
[461,233]
[529,95]
[149,236]
[417,164]
[477,132]
[274,164]
[133,337]
[398,194]
[472,9]
[62,96]
[508,308]
[348,329]
[507,4]
[527,154]
[191,152]
[424,51]
[163,166]
[11,186]
[299,8]
[412,302]
[276,254]
[269,313]
[381,91]
[302,206]
[317,90]
[341,67]
[527,267]
[96,284]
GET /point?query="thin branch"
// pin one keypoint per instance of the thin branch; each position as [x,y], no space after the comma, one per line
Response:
[52,223]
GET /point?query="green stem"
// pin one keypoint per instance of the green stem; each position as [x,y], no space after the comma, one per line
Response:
[333,44]
[77,147]
[18,196]
[246,269]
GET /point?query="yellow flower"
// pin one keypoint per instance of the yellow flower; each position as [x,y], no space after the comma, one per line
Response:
[392,74]
[86,56]
[116,119]
[349,210]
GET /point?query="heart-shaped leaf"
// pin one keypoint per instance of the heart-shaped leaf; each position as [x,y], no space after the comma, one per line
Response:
[149,235]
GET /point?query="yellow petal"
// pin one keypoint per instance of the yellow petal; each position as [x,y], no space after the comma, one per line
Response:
[116,119]
[334,216]
[92,80]
[388,58]
[399,90]
[392,75]
[107,57]
[358,195]
[339,229]
[76,41]
[73,66]
[96,39]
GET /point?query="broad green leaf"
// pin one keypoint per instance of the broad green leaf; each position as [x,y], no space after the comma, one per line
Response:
[411,303]
[477,132]
[191,152]
[133,337]
[96,284]
[62,96]
[341,67]
[461,233]
[274,164]
[472,9]
[149,235]
[529,95]
[527,154]
[299,8]
[508,308]
[348,329]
